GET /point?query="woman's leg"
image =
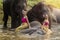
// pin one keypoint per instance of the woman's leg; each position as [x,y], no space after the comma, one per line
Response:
[23,26]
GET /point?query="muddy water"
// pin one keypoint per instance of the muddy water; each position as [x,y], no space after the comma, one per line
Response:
[10,35]
[55,35]
[56,32]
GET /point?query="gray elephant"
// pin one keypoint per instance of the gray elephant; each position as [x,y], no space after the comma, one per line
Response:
[56,15]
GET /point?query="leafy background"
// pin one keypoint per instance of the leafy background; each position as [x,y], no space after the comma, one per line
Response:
[31,3]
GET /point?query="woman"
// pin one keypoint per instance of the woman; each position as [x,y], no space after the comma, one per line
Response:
[45,25]
[25,22]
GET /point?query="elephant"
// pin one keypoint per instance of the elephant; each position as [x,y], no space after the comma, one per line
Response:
[56,13]
[13,8]
[37,12]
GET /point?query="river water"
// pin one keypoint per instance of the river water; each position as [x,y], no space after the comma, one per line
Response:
[12,36]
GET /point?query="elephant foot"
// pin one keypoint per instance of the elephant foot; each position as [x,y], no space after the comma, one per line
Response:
[12,29]
[4,27]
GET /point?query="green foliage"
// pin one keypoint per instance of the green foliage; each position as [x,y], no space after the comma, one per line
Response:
[32,2]
[0,4]
[1,11]
[54,3]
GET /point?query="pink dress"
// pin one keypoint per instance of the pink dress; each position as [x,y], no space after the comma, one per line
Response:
[24,20]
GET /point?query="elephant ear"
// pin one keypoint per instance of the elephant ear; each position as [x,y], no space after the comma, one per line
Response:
[52,14]
[50,7]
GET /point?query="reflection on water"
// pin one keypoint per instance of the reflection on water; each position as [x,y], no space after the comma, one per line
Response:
[46,37]
[9,35]
[55,35]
